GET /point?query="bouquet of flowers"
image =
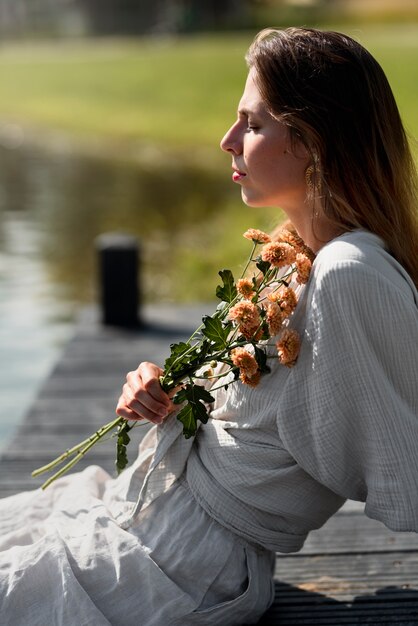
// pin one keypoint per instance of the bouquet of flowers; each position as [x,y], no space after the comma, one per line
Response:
[252,310]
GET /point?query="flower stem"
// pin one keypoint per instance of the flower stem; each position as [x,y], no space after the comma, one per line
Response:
[83,446]
[250,259]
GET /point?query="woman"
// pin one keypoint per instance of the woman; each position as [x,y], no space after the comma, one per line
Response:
[188,534]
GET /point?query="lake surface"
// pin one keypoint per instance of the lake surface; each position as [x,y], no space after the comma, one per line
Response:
[34,323]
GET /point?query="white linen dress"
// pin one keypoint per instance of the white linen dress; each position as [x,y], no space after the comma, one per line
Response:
[188,534]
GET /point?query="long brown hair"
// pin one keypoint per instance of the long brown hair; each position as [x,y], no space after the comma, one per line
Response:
[336,99]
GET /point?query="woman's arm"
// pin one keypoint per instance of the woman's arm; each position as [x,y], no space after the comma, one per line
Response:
[348,412]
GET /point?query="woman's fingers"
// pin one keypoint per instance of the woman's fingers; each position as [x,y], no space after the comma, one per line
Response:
[126,413]
[137,411]
[149,375]
[143,397]
[141,405]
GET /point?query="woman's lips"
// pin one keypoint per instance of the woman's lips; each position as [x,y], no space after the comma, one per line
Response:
[237,176]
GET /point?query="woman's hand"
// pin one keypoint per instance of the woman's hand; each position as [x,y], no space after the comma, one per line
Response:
[143,397]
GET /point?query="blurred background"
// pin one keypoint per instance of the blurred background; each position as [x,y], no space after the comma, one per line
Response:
[111,112]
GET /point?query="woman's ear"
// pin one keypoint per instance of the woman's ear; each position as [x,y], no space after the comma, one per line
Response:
[298,147]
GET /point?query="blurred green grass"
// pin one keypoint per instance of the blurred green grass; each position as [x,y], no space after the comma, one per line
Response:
[176,92]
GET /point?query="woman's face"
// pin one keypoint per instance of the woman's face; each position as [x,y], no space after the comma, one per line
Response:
[269,171]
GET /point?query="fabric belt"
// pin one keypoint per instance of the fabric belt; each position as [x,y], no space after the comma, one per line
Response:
[234,514]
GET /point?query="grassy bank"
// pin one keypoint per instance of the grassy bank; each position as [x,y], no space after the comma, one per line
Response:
[176,92]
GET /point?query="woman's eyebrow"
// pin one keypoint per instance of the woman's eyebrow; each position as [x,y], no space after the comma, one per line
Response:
[247,112]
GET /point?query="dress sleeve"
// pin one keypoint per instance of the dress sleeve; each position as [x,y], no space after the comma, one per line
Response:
[349,409]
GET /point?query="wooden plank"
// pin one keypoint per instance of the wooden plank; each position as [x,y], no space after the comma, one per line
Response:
[348,533]
[363,568]
[356,589]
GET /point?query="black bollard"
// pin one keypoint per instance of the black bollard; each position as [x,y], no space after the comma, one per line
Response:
[118,278]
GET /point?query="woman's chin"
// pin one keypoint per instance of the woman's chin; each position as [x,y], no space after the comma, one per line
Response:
[251,200]
[248,198]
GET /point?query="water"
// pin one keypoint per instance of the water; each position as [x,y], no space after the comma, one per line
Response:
[34,324]
[74,197]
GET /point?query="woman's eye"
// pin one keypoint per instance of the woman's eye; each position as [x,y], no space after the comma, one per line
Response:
[253,127]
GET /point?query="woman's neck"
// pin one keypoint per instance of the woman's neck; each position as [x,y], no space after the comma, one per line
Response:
[315,229]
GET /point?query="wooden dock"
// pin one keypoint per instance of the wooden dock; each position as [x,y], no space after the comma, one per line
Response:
[352,571]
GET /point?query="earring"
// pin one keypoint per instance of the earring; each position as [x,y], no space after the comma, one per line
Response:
[310,178]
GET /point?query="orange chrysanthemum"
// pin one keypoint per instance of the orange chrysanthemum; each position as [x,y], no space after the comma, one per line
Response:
[245,361]
[273,296]
[245,313]
[303,267]
[288,347]
[246,288]
[257,236]
[251,381]
[278,254]
[287,300]
[292,238]
[274,318]
[247,316]
[286,236]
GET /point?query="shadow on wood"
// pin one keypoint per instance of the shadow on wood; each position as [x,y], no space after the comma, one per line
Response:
[300,605]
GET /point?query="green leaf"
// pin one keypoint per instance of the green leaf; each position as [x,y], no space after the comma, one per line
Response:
[187,364]
[122,441]
[266,332]
[194,410]
[228,292]
[261,358]
[180,396]
[176,351]
[214,330]
[201,352]
[263,266]
[187,417]
[200,412]
[197,393]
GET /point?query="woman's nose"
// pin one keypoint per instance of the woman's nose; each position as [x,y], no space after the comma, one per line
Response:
[231,141]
